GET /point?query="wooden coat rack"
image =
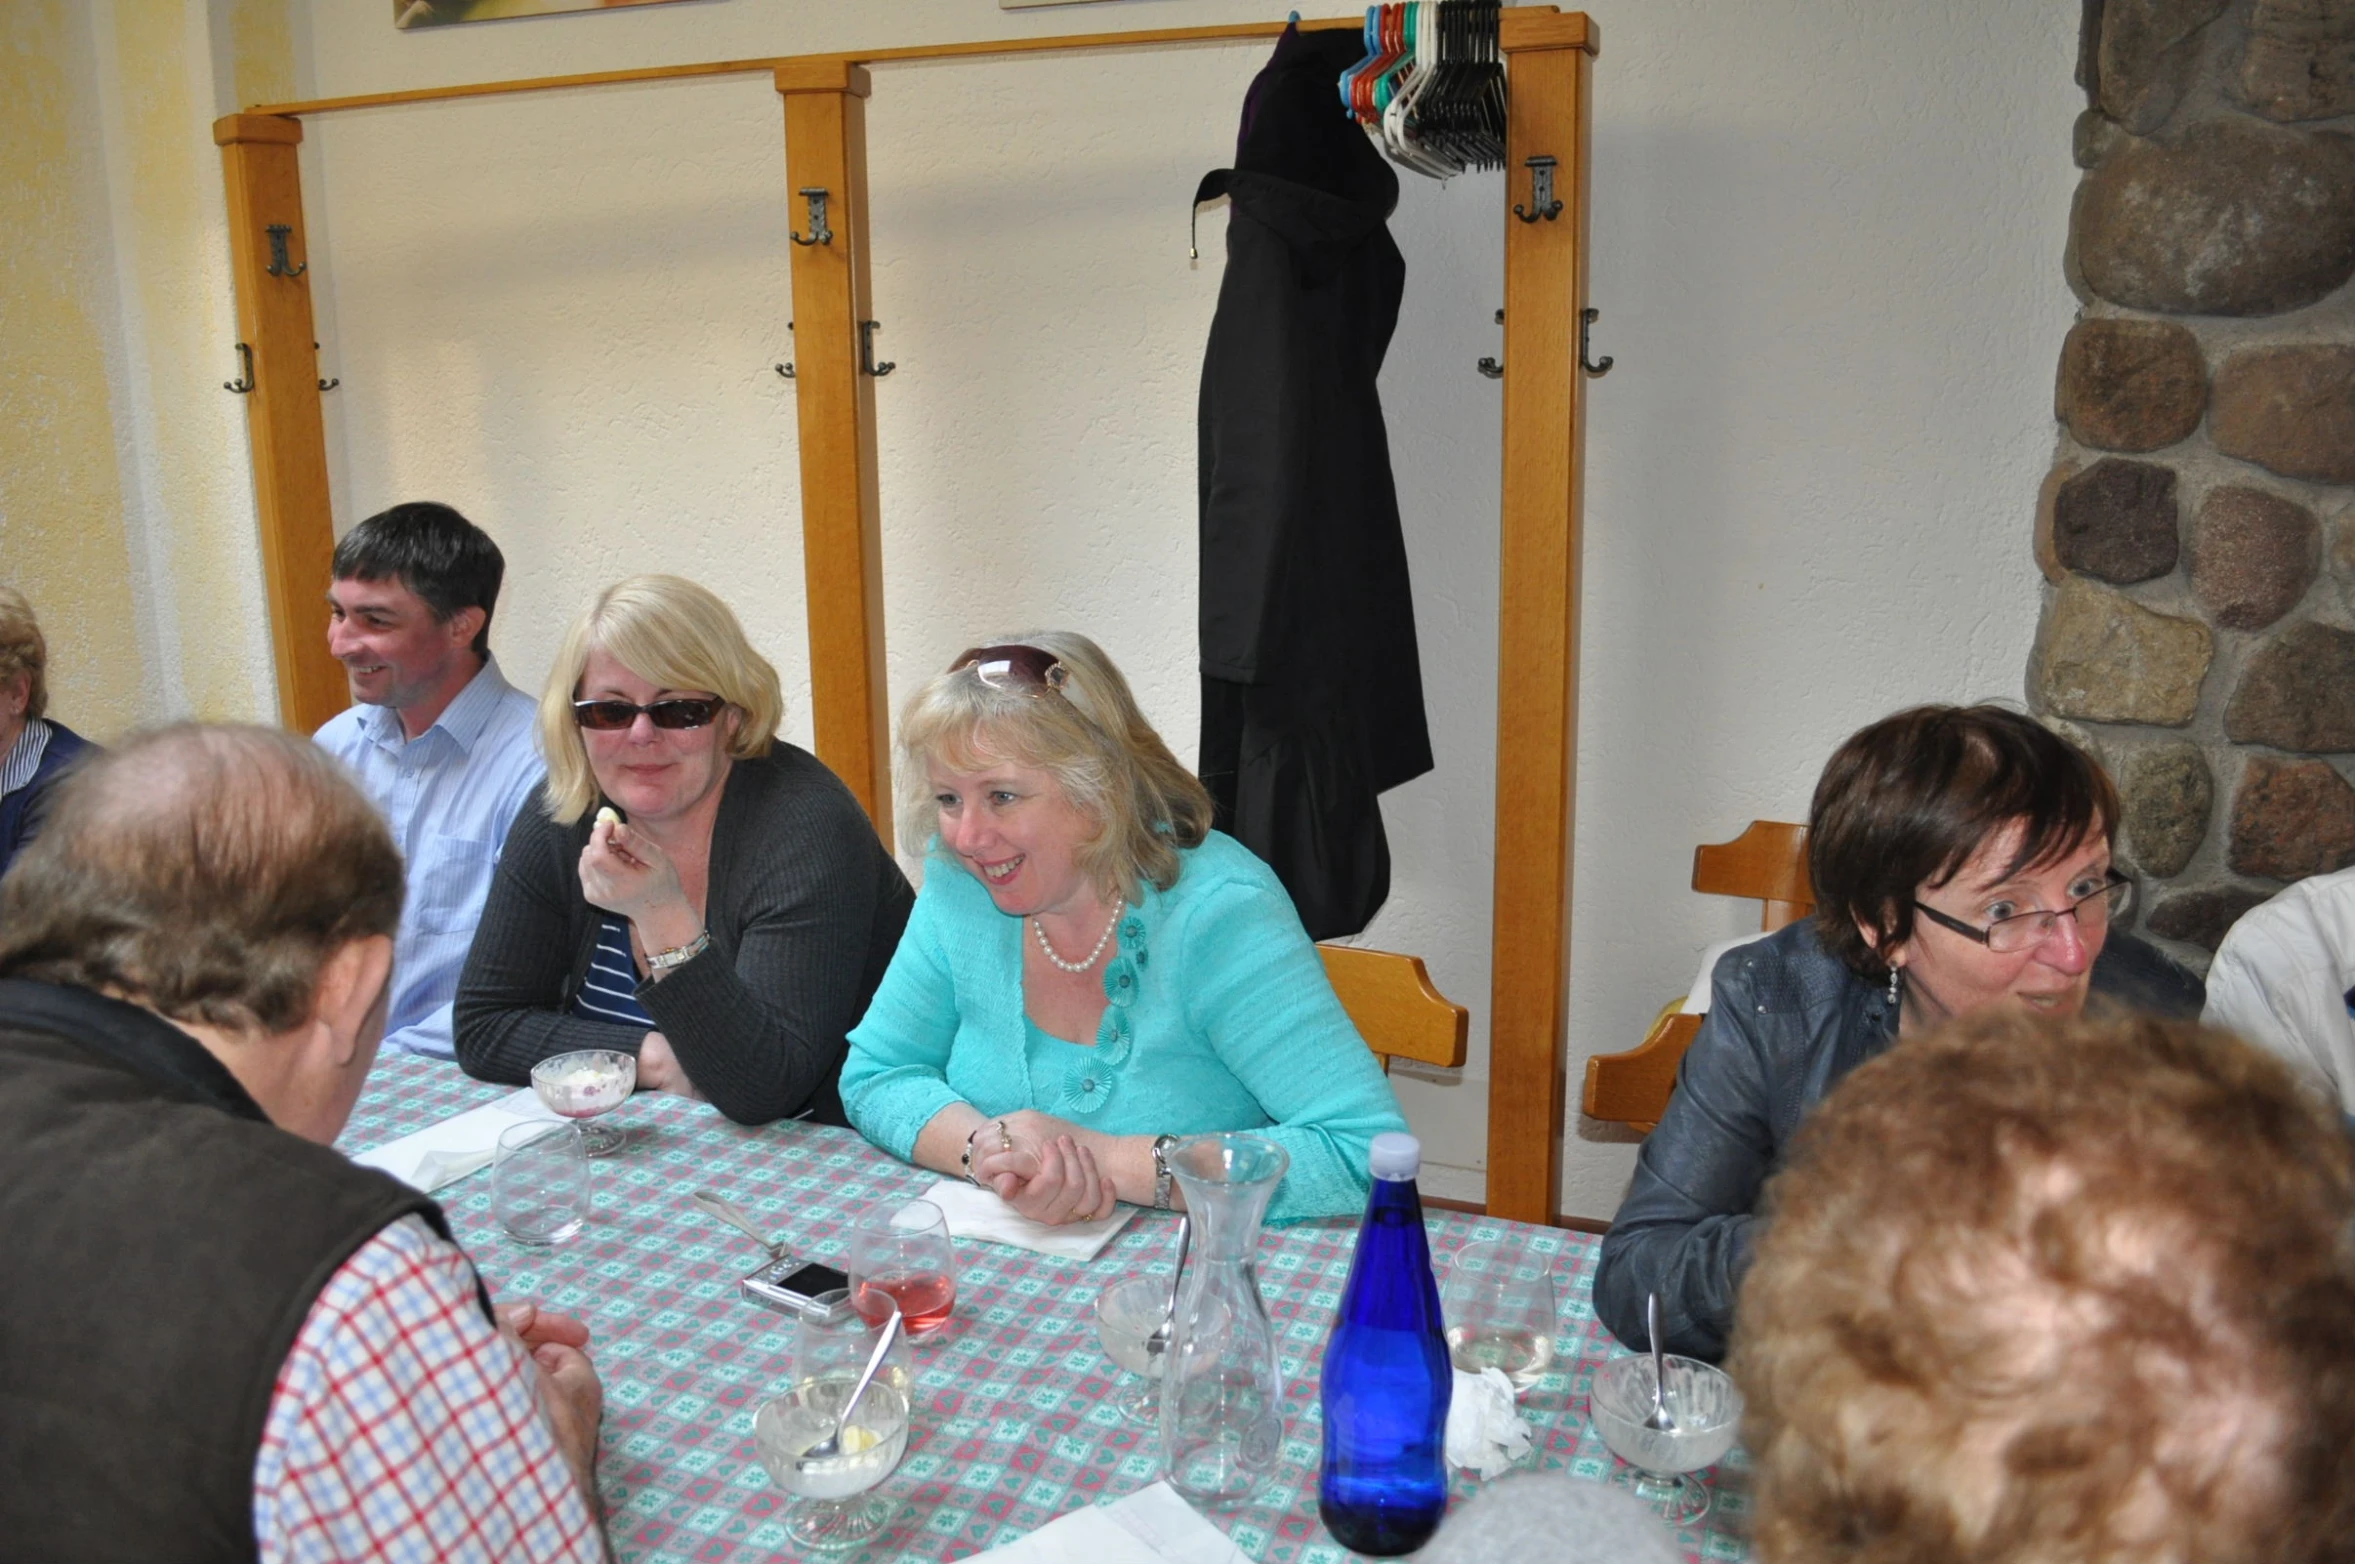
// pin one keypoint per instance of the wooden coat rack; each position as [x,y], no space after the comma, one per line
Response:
[1549,60]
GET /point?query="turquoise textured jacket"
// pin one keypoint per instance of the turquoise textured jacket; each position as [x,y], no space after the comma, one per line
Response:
[1219,1018]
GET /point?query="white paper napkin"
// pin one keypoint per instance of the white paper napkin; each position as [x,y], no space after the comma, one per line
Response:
[979,1213]
[1151,1526]
[444,1153]
[1485,1434]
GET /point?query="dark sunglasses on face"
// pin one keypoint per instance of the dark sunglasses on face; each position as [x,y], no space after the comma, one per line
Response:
[1006,667]
[680,711]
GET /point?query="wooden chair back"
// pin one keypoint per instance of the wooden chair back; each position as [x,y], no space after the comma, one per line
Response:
[1395,1007]
[1767,862]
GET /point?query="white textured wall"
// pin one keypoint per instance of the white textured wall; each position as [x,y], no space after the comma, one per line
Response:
[1827,253]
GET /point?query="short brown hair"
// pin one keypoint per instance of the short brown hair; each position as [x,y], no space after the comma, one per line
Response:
[1906,801]
[1088,733]
[2056,1290]
[207,872]
[22,650]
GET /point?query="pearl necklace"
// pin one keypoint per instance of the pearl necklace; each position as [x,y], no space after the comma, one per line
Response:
[1103,939]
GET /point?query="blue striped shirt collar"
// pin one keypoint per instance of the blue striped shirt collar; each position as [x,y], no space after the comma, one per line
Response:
[464,719]
[24,756]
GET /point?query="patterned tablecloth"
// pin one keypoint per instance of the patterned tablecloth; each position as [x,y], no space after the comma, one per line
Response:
[1015,1422]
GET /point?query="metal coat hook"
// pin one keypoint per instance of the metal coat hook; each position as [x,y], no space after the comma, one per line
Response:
[815,196]
[1541,192]
[786,368]
[1493,368]
[244,382]
[326,385]
[1587,318]
[867,364]
[279,265]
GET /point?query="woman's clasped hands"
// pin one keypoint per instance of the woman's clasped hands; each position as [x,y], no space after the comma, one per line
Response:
[1045,1168]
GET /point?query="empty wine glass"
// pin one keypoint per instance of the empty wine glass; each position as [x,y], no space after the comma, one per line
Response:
[835,1508]
[1498,1301]
[583,1085]
[902,1254]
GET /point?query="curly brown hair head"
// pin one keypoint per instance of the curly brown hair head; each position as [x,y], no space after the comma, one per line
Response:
[2056,1291]
[206,872]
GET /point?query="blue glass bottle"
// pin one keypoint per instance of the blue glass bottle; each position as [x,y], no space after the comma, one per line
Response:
[1386,1375]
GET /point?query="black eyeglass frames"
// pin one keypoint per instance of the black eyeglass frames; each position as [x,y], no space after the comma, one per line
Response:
[2023,931]
[680,711]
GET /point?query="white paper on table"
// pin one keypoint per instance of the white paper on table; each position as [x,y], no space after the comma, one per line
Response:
[1151,1526]
[979,1213]
[444,1153]
[1485,1434]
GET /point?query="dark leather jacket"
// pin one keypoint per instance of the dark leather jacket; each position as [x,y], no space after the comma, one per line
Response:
[1786,1022]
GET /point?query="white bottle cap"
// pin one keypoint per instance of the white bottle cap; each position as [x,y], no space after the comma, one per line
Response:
[1395,1156]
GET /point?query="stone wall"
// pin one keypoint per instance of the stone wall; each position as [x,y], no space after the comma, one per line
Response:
[2198,526]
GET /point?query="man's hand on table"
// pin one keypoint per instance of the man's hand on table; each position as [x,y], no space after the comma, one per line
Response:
[570,1396]
[1050,1173]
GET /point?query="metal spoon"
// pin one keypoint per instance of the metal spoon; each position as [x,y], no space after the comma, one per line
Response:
[829,1447]
[1158,1343]
[737,1217]
[1659,1421]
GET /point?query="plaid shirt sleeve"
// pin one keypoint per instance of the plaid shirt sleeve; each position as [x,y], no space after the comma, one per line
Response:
[405,1428]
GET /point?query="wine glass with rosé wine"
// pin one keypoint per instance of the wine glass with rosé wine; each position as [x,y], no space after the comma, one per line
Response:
[585,1084]
[902,1254]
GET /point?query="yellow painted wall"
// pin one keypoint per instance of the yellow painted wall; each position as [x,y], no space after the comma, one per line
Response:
[126,505]
[62,537]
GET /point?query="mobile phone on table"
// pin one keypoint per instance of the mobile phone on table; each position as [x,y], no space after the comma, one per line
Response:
[800,1287]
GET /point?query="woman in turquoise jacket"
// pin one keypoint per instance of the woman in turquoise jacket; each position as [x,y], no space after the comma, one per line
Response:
[1092,972]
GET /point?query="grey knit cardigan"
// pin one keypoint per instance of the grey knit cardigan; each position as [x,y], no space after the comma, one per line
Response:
[804,908]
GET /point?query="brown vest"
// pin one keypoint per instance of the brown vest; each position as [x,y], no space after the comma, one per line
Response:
[163,1244]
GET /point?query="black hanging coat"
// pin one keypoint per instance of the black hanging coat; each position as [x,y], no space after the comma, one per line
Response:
[1312,691]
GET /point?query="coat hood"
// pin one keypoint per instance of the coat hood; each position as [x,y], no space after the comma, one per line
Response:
[1302,166]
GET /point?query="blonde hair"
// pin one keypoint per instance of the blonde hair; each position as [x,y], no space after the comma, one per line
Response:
[1087,734]
[670,632]
[23,651]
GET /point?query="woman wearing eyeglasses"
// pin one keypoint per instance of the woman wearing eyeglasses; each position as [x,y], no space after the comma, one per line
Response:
[1961,860]
[730,918]
[1091,971]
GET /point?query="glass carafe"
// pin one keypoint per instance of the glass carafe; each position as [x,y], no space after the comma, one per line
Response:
[1222,1396]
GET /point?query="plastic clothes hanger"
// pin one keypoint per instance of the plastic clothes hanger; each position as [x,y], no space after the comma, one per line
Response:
[1403,148]
[1349,77]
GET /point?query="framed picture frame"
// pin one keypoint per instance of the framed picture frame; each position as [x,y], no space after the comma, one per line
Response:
[409,15]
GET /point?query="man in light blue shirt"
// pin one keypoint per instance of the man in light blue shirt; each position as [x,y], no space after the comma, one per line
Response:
[440,741]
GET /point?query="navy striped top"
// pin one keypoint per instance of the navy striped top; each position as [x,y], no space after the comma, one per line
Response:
[610,991]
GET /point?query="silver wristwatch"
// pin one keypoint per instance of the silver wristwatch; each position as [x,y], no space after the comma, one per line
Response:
[1161,1173]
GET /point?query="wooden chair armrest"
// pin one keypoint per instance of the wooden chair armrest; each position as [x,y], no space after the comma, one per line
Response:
[1634,1087]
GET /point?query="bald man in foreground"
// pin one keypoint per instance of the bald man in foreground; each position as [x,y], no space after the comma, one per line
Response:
[219,1339]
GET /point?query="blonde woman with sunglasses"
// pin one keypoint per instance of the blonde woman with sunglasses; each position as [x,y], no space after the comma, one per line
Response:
[1091,970]
[688,888]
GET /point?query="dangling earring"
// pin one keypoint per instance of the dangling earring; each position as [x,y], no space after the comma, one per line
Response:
[1895,998]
